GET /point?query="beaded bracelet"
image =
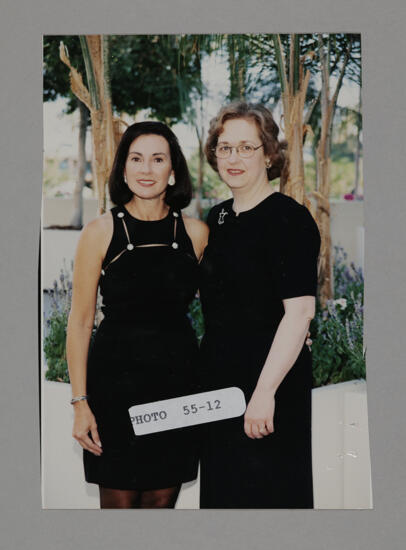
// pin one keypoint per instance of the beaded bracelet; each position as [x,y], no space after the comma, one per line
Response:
[80,398]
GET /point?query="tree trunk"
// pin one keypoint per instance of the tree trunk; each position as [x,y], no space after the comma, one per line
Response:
[200,175]
[294,128]
[293,99]
[323,170]
[241,75]
[102,116]
[237,71]
[323,184]
[358,152]
[98,100]
[232,69]
[77,217]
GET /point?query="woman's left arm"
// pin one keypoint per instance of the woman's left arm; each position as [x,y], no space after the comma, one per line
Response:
[285,349]
[295,275]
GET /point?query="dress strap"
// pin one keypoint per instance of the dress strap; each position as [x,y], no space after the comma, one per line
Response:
[118,221]
[120,215]
[176,216]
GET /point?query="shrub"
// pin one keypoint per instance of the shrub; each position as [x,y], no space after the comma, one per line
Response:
[56,323]
[337,330]
[195,315]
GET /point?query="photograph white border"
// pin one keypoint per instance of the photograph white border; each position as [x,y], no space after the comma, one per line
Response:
[24,524]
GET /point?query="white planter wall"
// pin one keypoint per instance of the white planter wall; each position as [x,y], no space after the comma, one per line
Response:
[341,460]
[341,456]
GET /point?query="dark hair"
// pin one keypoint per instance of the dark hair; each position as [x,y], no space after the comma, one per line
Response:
[267,128]
[178,195]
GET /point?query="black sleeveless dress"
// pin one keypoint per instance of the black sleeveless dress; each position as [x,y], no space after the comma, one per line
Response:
[144,350]
[252,262]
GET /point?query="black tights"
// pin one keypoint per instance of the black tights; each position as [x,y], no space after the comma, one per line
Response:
[158,498]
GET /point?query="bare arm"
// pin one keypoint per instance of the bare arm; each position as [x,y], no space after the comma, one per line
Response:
[88,260]
[198,232]
[285,349]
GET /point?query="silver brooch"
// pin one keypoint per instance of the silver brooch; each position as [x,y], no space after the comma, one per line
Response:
[221,216]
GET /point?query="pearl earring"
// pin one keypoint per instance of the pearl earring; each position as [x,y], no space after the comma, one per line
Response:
[171,180]
[125,179]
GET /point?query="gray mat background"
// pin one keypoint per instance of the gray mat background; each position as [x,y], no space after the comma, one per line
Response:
[23,525]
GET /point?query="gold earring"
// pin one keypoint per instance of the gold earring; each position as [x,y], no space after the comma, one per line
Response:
[268,164]
[171,180]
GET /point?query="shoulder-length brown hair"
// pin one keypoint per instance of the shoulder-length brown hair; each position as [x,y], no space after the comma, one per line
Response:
[267,128]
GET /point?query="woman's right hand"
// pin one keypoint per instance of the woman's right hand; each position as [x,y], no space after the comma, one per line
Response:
[85,422]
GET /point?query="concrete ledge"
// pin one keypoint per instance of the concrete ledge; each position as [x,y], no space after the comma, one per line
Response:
[341,458]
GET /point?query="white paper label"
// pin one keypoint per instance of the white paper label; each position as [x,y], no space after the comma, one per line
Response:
[188,410]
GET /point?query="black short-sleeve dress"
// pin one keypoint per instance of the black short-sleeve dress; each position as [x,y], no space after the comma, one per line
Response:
[252,262]
[144,350]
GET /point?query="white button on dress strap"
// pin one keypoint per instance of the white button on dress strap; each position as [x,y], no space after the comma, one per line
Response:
[120,215]
[175,215]
[130,246]
[175,245]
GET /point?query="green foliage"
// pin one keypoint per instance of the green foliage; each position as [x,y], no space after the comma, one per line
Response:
[153,72]
[195,315]
[56,74]
[146,72]
[55,348]
[265,79]
[337,330]
[342,176]
[55,335]
[54,344]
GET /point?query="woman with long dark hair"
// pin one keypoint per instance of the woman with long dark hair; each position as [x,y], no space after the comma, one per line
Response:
[258,288]
[144,256]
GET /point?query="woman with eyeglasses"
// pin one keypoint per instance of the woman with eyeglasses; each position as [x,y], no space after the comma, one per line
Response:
[143,254]
[258,288]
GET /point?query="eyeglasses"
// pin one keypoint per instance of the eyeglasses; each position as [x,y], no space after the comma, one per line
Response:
[244,150]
